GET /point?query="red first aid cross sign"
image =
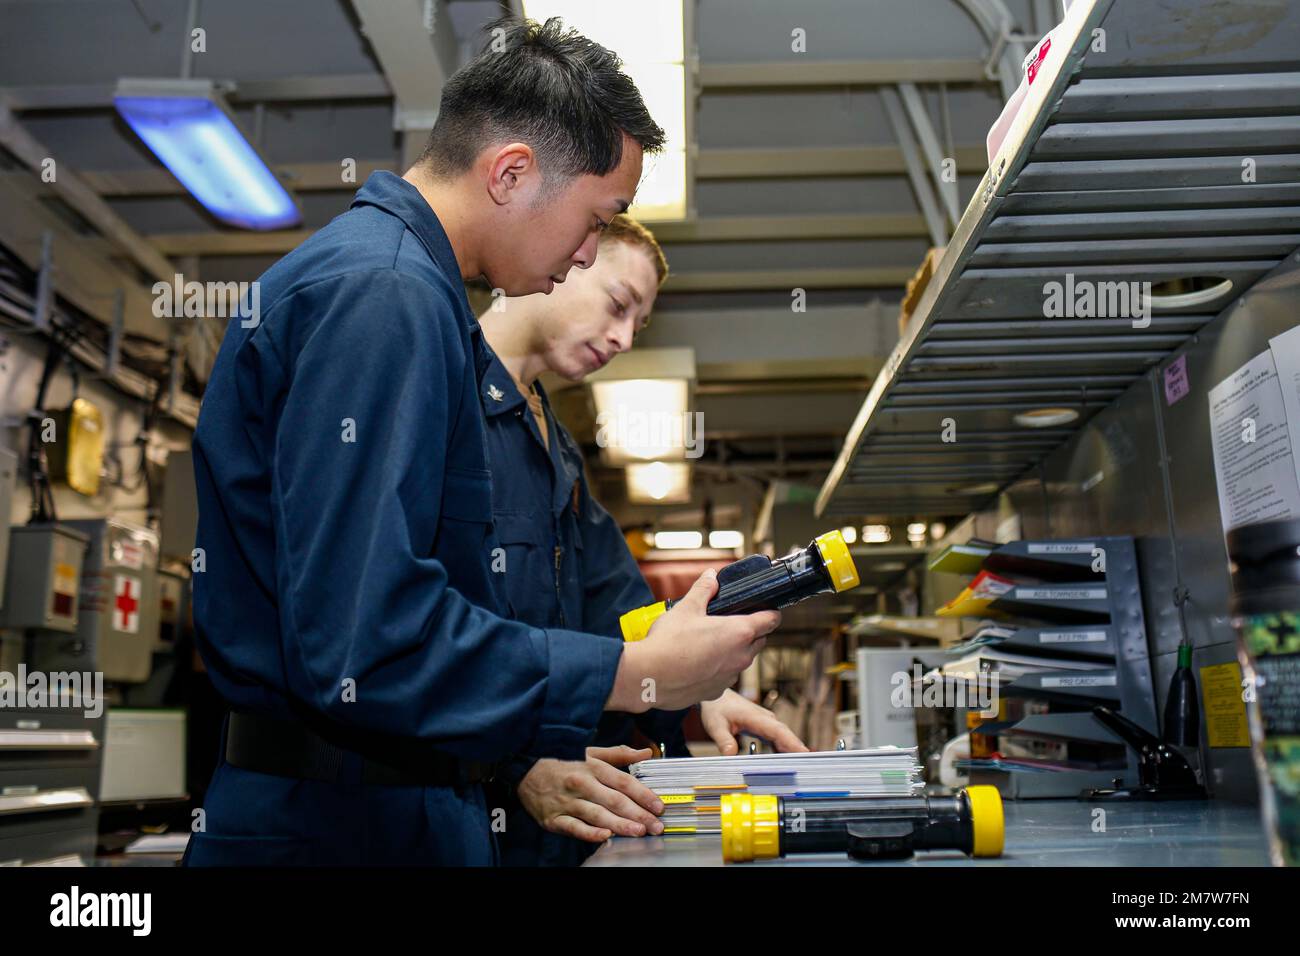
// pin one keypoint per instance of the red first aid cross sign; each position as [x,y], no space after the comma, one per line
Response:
[126,604]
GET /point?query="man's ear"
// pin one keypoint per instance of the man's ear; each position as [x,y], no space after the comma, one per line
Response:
[511,173]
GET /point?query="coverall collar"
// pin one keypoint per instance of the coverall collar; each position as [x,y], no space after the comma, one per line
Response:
[396,196]
[496,381]
[498,390]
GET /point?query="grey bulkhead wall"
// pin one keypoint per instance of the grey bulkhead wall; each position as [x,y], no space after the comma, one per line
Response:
[1108,480]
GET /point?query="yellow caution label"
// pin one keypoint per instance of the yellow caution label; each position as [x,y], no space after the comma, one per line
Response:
[677,797]
[1225,711]
[65,578]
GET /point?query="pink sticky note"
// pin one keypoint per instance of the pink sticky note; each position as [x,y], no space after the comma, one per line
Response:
[1176,382]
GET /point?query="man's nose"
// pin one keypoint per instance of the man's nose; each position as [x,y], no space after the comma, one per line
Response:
[620,336]
[586,254]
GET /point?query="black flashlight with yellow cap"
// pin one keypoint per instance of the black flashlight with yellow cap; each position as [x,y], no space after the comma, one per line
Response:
[764,827]
[760,583]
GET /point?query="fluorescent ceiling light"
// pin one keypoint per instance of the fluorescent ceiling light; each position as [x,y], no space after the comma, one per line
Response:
[189,127]
[650,40]
[726,540]
[641,419]
[1198,297]
[849,534]
[659,483]
[678,540]
[875,534]
[981,488]
[642,401]
[1045,417]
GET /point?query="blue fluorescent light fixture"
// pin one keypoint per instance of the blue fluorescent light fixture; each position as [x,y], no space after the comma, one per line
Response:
[188,126]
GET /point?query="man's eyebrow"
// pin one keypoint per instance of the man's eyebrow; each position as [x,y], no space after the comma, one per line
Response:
[631,288]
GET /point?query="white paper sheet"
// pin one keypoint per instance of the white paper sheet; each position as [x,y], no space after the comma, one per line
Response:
[1253,464]
[1286,359]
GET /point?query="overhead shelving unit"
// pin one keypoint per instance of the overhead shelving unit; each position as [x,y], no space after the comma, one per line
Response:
[1159,143]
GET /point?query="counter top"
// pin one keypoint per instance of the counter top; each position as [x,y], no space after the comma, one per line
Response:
[1038,833]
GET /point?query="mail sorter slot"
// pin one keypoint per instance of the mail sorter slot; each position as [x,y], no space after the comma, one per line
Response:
[63,737]
[1078,726]
[1091,642]
[1077,560]
[53,721]
[965,558]
[1072,687]
[12,741]
[43,751]
[16,758]
[1066,603]
[43,776]
[17,801]
[34,838]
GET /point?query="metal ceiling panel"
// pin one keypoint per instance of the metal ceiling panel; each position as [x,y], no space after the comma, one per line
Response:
[1161,162]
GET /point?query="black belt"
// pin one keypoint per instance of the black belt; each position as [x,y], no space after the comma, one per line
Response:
[289,749]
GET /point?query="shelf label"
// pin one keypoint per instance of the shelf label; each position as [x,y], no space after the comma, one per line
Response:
[1070,637]
[1059,547]
[1086,680]
[1060,594]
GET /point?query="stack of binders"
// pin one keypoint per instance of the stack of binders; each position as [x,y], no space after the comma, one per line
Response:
[692,787]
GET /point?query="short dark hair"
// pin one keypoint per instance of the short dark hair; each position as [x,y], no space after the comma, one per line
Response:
[564,95]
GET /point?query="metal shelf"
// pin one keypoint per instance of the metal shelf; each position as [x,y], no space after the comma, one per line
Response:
[1124,165]
[37,801]
[12,740]
[1080,726]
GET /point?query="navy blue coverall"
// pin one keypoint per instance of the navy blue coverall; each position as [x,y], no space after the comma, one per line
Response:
[346,536]
[565,564]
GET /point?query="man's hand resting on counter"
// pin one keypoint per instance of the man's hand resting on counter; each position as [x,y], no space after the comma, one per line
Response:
[594,799]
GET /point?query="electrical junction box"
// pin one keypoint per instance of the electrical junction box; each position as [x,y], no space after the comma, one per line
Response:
[43,578]
[120,598]
[180,507]
[171,603]
[118,629]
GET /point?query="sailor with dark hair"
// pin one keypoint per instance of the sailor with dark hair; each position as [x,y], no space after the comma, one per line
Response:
[348,610]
